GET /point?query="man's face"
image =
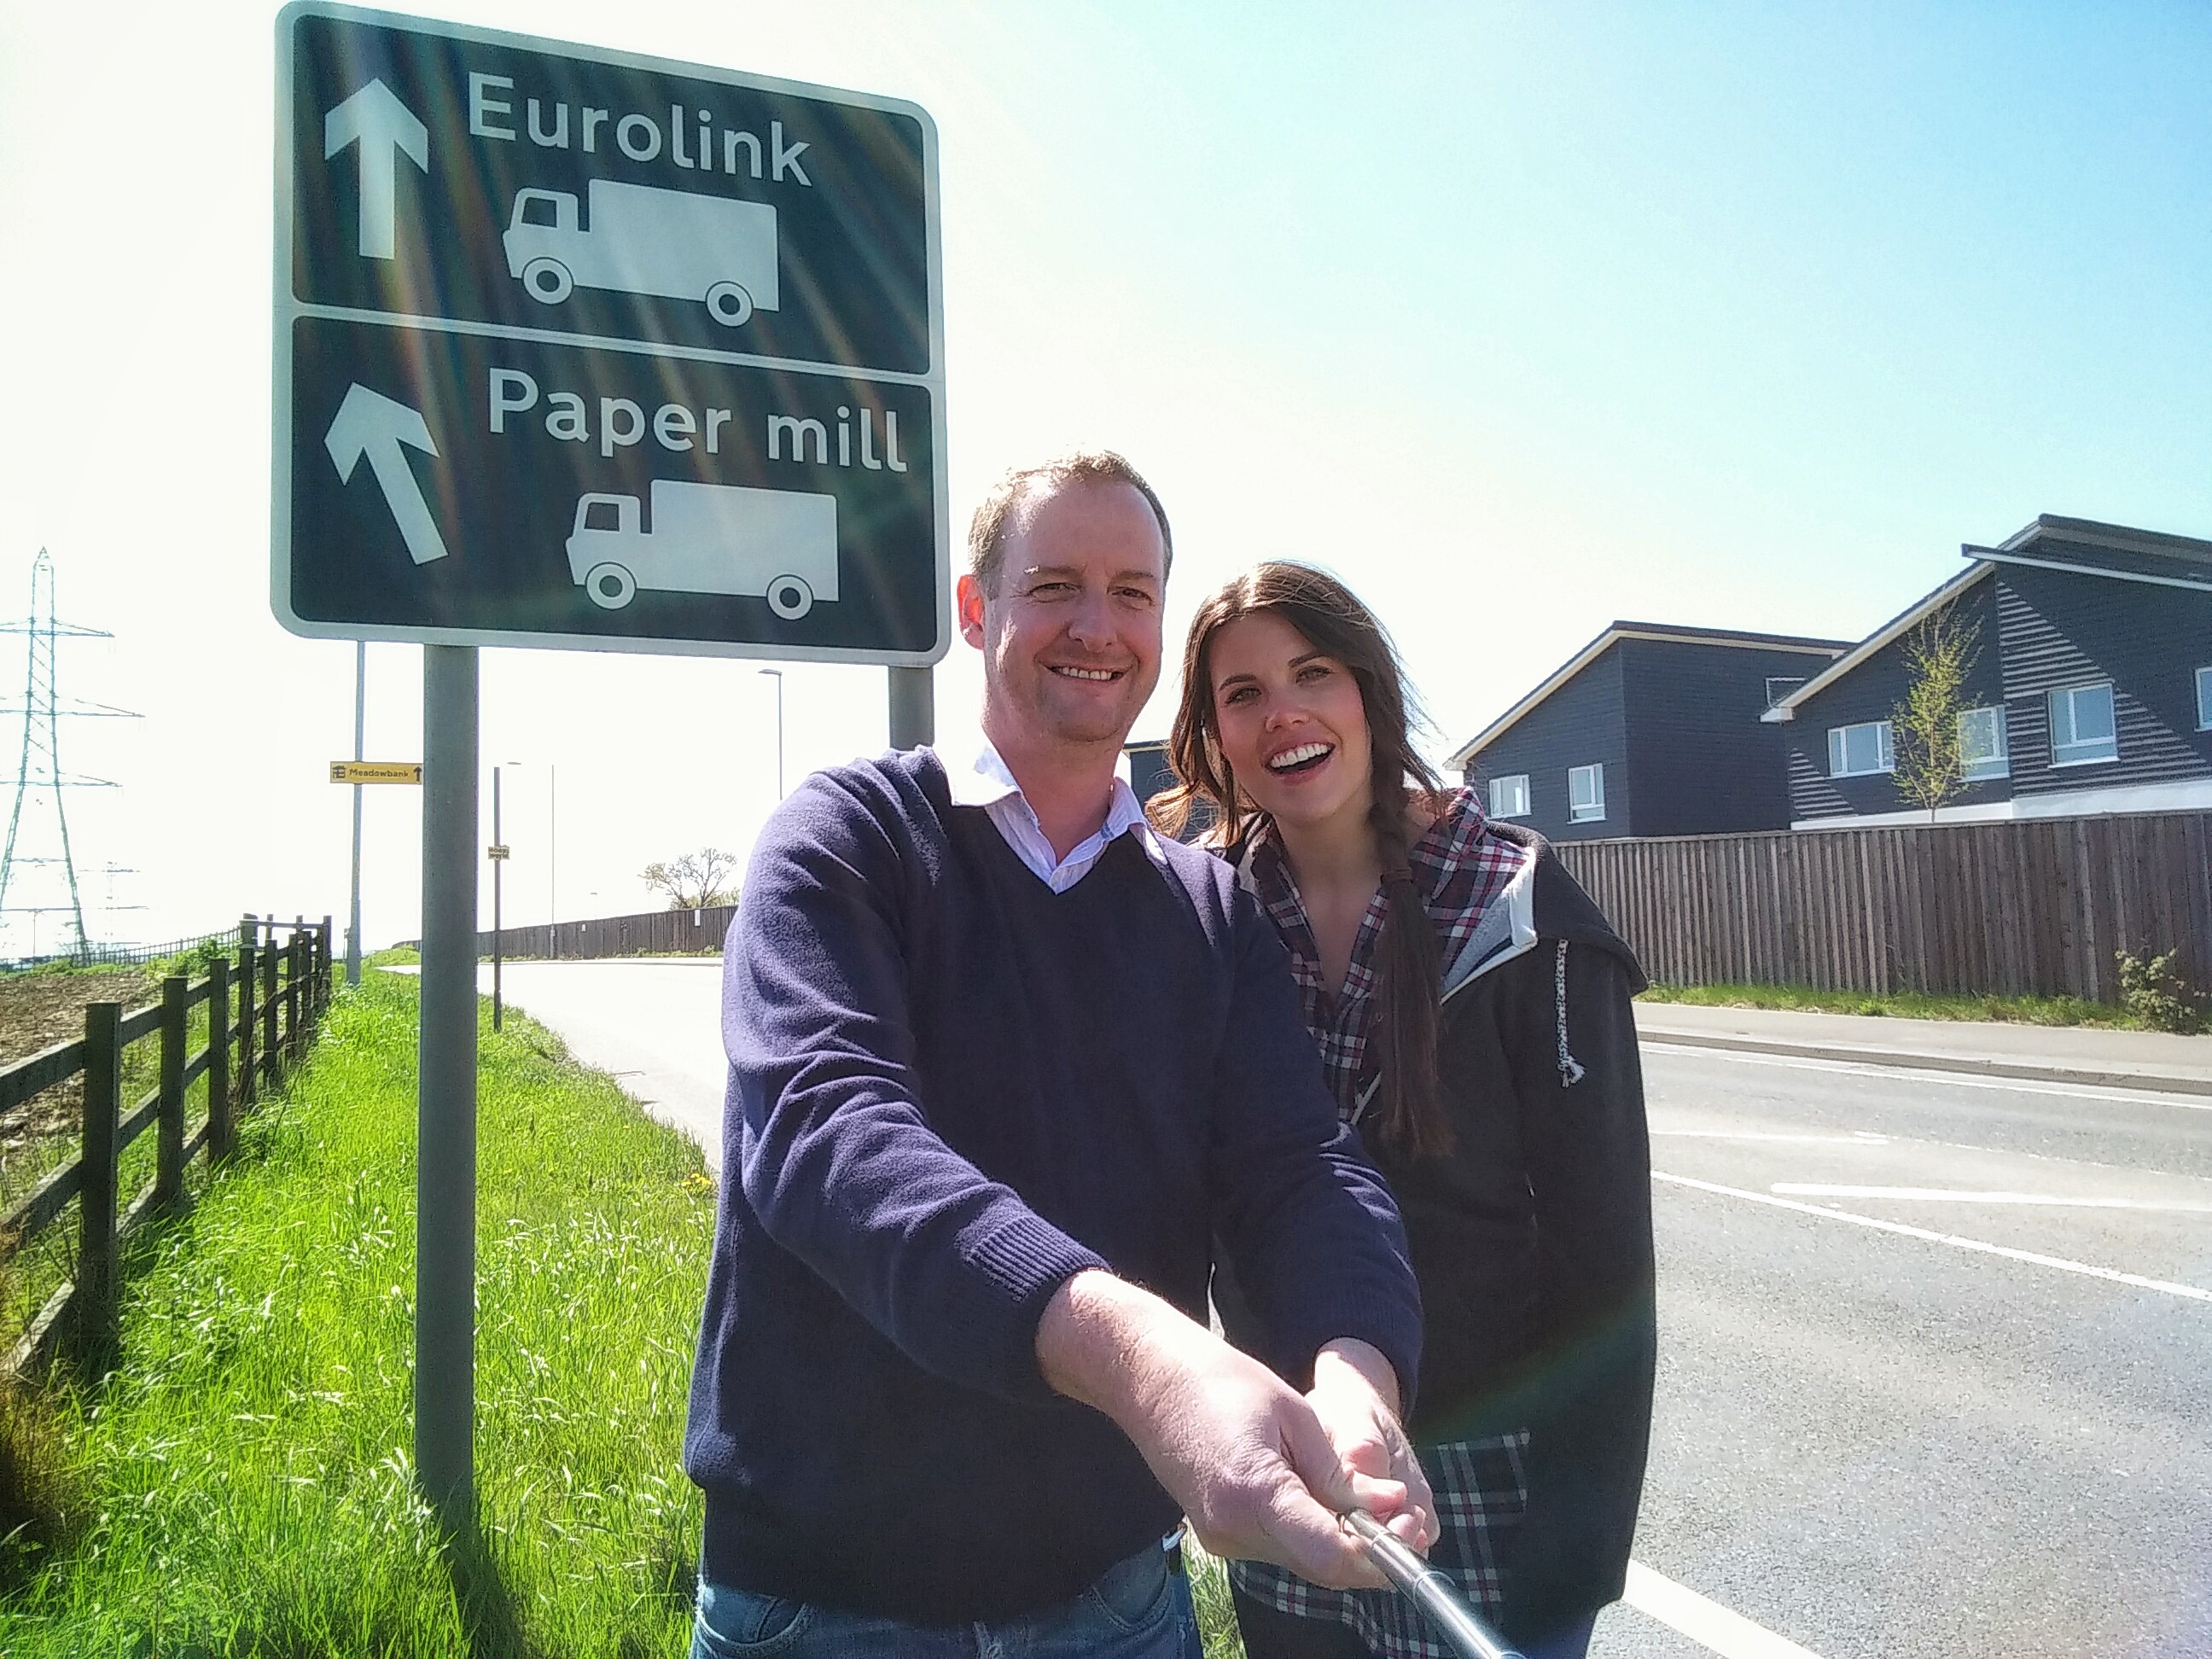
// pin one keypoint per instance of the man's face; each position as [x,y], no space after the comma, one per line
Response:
[1071,641]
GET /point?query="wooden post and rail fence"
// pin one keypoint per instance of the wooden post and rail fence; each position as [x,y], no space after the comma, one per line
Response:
[2023,906]
[262,1008]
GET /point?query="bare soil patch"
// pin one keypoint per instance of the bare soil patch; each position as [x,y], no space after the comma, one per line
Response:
[40,1010]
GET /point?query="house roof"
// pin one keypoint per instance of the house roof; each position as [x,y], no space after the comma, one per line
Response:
[2105,549]
[1785,708]
[2082,545]
[1614,634]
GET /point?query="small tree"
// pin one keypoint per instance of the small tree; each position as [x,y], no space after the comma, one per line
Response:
[694,879]
[1939,655]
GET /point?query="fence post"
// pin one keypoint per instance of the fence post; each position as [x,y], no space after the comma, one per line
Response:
[247,969]
[169,1116]
[218,1069]
[295,1015]
[271,1054]
[103,1110]
[323,983]
[295,996]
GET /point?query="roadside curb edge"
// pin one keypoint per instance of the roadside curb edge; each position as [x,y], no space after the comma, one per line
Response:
[2152,1082]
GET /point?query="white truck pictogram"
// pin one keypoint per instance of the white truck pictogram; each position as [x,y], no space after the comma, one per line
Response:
[779,544]
[675,244]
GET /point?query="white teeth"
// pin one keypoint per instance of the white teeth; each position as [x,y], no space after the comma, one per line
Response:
[1085,673]
[1305,751]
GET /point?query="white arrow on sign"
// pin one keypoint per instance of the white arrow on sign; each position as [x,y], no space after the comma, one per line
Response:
[382,126]
[371,424]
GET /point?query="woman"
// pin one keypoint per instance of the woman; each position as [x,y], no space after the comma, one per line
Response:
[1472,1008]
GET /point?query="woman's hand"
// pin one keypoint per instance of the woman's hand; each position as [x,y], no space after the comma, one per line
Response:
[1355,1396]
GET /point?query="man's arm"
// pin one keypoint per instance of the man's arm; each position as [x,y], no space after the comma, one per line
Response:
[1311,1231]
[1250,1463]
[825,1132]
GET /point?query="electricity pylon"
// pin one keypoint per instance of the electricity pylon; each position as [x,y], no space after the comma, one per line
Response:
[40,769]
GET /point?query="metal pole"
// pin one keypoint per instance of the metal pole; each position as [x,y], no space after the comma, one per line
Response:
[552,843]
[498,873]
[446,1108]
[914,708]
[359,708]
[776,674]
[1449,1616]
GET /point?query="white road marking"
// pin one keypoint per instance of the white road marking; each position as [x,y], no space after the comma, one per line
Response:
[1703,1621]
[1856,1138]
[2147,1095]
[1978,1245]
[1948,1195]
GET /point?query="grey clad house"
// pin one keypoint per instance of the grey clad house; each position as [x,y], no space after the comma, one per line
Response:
[2090,692]
[1648,730]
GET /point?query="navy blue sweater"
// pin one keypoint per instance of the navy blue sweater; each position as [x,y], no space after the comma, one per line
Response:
[951,1090]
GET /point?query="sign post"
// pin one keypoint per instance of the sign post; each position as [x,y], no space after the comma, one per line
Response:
[359,732]
[581,349]
[445,1093]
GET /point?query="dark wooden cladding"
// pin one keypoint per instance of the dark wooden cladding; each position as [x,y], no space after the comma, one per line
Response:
[2026,907]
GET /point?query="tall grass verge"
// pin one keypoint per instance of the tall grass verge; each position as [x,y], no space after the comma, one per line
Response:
[244,1474]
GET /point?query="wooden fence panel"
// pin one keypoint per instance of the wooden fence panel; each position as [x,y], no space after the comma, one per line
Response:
[2026,906]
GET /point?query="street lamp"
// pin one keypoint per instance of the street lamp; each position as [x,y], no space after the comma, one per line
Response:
[776,674]
[498,851]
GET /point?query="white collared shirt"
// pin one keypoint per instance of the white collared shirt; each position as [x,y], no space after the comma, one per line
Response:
[987,783]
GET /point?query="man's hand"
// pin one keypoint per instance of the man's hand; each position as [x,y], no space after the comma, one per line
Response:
[1355,1396]
[1250,1462]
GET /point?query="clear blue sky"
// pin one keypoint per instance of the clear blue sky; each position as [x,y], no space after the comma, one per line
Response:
[1522,317]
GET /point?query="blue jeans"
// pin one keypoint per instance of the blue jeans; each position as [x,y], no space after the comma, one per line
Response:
[1138,1609]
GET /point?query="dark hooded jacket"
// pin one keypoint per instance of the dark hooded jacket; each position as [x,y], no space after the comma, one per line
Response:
[1531,1237]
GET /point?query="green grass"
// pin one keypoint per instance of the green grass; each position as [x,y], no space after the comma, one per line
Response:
[1209,1594]
[241,1483]
[1903,1005]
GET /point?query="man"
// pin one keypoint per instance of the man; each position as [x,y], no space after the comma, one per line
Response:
[1002,1063]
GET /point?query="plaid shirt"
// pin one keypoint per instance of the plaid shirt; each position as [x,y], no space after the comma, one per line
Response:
[1481,1488]
[1459,870]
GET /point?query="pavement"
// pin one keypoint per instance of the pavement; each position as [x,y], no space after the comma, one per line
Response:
[2050,1054]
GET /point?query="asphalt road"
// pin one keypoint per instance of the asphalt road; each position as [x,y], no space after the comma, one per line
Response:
[1935,1372]
[1887,1442]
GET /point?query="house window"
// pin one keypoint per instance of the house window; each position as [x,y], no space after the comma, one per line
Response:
[2204,699]
[1857,750]
[1982,744]
[1585,793]
[1509,797]
[2081,730]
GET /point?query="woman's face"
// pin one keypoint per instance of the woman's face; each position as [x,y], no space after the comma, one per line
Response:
[1292,724]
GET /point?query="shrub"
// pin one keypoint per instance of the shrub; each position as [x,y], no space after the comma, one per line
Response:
[2157,993]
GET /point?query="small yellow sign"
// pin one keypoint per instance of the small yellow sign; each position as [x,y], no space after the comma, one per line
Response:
[496,851]
[376,771]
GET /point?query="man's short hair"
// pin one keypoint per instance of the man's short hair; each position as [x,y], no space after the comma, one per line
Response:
[994,518]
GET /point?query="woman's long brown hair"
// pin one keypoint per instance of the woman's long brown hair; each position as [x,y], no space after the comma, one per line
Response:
[1410,1115]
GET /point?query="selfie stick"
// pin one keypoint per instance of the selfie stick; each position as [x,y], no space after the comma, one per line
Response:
[1427,1589]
